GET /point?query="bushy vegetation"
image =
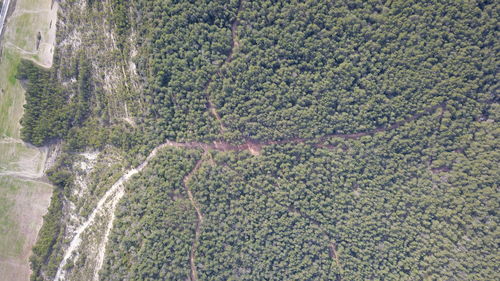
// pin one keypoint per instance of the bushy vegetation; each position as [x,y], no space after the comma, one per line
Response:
[182,45]
[309,68]
[157,208]
[415,203]
[410,203]
[46,114]
[53,112]
[416,199]
[50,110]
[46,255]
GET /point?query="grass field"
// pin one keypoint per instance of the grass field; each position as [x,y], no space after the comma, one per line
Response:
[20,201]
[24,196]
[12,97]
[21,204]
[22,159]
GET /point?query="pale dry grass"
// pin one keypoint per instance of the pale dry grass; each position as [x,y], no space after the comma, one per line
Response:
[24,197]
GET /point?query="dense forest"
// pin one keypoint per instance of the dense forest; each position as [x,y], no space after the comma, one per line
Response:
[416,203]
[308,68]
[46,114]
[309,140]
[50,110]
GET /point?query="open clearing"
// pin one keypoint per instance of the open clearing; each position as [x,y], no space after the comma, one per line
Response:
[19,224]
[24,196]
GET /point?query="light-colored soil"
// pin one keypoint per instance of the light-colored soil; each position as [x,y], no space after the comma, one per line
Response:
[24,194]
[24,202]
[110,199]
[23,38]
[113,195]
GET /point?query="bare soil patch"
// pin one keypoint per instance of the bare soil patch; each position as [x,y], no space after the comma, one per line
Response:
[25,194]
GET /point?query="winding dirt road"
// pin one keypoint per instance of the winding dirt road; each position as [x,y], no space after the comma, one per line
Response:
[235,44]
[114,194]
[199,222]
[254,147]
[117,190]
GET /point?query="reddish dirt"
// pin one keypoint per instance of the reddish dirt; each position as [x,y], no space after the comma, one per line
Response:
[199,222]
[255,147]
[234,45]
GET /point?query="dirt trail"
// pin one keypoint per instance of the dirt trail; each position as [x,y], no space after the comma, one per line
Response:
[255,147]
[25,175]
[44,51]
[332,252]
[102,247]
[111,199]
[45,63]
[318,142]
[124,60]
[7,140]
[21,50]
[235,44]
[115,193]
[20,12]
[117,190]
[192,255]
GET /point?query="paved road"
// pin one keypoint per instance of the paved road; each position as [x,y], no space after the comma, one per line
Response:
[3,14]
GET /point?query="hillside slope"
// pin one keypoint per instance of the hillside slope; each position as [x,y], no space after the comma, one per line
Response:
[270,140]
